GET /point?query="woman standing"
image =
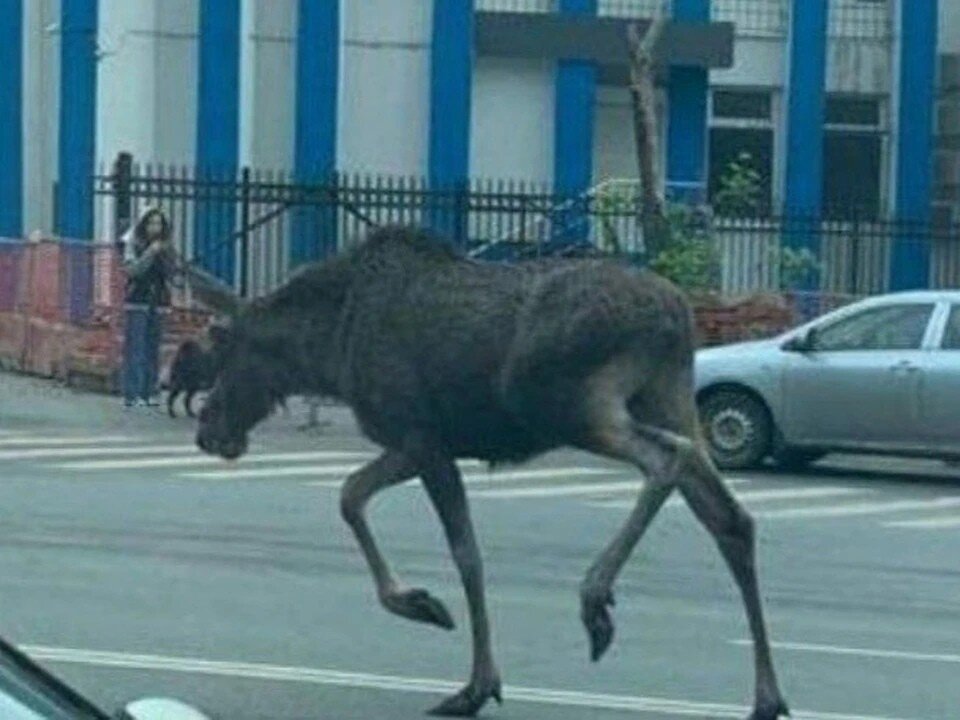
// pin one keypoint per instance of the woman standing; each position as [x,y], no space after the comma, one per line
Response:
[149,262]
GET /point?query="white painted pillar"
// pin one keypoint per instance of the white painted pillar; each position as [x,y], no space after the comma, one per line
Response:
[41,82]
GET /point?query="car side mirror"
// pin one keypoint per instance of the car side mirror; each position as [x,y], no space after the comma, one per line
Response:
[803,343]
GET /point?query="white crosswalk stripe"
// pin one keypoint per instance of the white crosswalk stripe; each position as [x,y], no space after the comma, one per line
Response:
[758,496]
[237,473]
[873,508]
[47,453]
[933,523]
[630,487]
[607,487]
[475,476]
[53,441]
[200,459]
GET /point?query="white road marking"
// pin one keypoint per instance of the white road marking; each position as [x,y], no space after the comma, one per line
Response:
[338,678]
[200,459]
[596,488]
[236,473]
[934,523]
[860,652]
[560,490]
[875,508]
[62,452]
[338,470]
[54,441]
[757,496]
[539,473]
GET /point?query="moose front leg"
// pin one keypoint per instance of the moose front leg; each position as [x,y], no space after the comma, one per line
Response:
[445,488]
[389,469]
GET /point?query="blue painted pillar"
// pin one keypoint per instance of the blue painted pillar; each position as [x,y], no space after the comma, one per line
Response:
[77,146]
[805,115]
[574,115]
[451,85]
[910,263]
[78,112]
[218,132]
[11,119]
[686,176]
[315,145]
[806,80]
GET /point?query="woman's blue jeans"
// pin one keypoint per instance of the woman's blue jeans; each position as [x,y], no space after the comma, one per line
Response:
[141,352]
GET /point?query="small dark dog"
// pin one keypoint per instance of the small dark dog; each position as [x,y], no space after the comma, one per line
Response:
[193,370]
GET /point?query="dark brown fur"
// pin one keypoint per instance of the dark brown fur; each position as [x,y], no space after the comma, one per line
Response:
[485,359]
[441,358]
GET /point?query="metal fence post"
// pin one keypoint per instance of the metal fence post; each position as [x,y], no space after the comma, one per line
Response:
[461,213]
[244,230]
[122,180]
[854,254]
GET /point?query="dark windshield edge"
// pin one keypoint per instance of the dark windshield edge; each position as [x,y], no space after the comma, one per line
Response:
[45,685]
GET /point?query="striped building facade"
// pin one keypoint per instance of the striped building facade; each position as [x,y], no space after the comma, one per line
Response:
[836,101]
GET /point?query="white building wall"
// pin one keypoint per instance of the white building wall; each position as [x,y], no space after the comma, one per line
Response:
[385,86]
[949,36]
[176,47]
[758,61]
[615,147]
[147,99]
[147,80]
[268,83]
[125,79]
[41,111]
[512,119]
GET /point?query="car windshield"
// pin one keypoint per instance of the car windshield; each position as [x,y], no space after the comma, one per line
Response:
[28,692]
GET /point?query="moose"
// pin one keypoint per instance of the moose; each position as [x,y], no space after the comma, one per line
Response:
[442,357]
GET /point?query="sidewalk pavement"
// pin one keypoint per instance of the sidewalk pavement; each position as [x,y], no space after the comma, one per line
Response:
[36,402]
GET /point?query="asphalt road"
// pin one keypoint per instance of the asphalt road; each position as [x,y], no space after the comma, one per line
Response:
[132,565]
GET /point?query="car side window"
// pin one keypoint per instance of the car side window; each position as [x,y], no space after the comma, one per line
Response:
[891,327]
[951,334]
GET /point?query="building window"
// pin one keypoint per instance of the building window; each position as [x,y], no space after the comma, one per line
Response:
[853,157]
[742,133]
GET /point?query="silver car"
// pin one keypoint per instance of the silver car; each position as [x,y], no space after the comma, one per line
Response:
[879,376]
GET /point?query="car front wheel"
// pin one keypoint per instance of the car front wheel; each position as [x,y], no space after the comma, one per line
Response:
[737,427]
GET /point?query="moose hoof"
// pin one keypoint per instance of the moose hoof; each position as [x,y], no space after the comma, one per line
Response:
[471,699]
[597,621]
[770,711]
[421,606]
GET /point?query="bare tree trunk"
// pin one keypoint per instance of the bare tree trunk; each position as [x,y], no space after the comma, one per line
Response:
[656,230]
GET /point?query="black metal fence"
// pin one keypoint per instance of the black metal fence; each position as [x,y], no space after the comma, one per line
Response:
[252,227]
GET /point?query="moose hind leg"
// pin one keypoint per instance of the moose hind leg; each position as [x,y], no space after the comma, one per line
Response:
[389,469]
[444,485]
[733,530]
